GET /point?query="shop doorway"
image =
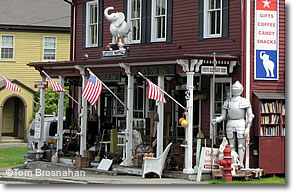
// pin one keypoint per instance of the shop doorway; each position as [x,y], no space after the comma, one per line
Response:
[221,93]
[13,118]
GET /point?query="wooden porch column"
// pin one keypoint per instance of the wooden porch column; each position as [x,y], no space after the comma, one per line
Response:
[160,124]
[83,114]
[188,68]
[60,115]
[129,116]
[42,115]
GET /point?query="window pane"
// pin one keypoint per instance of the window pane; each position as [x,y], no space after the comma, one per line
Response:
[211,4]
[50,43]
[163,7]
[7,53]
[135,19]
[218,4]
[158,11]
[93,14]
[218,22]
[92,24]
[212,22]
[93,34]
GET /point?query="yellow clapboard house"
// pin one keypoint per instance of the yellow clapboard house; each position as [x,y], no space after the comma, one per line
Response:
[41,32]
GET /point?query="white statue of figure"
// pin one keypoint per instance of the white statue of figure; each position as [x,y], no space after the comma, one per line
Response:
[118,25]
[222,148]
[235,110]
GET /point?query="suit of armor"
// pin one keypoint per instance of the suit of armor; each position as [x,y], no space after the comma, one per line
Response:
[235,110]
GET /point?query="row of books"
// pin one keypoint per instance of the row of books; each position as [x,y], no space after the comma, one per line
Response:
[270,119]
[273,107]
[272,131]
[269,131]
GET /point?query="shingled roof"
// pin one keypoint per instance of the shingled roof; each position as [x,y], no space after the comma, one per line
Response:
[46,13]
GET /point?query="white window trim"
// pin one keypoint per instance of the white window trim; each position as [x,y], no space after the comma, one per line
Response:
[206,23]
[43,58]
[153,26]
[212,99]
[131,41]
[88,4]
[4,47]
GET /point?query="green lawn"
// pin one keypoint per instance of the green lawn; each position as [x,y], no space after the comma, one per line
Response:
[269,180]
[10,157]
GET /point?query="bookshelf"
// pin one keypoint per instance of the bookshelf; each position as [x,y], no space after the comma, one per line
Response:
[272,118]
[269,130]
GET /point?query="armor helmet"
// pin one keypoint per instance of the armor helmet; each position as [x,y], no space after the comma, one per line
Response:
[237,88]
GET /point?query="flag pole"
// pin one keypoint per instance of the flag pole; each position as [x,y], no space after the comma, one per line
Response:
[164,92]
[65,90]
[213,111]
[21,91]
[108,88]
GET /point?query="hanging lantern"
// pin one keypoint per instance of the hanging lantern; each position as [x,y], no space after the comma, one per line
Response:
[184,123]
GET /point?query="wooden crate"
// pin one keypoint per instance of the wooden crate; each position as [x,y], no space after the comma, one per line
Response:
[137,160]
[89,154]
[82,162]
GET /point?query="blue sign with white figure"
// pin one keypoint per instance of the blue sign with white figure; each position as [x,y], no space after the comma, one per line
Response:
[266,41]
[266,64]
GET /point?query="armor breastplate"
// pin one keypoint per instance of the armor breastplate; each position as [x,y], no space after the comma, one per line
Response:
[234,111]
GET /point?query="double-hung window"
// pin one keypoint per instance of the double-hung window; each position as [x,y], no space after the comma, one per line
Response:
[159,20]
[213,18]
[92,24]
[7,46]
[134,12]
[49,48]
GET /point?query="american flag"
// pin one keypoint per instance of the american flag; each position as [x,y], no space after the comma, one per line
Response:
[92,89]
[55,86]
[215,61]
[10,86]
[155,93]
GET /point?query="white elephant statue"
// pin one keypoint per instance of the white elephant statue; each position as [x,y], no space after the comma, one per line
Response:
[267,63]
[118,25]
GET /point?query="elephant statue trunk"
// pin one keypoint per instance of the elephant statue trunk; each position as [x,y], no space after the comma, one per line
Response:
[106,13]
[118,25]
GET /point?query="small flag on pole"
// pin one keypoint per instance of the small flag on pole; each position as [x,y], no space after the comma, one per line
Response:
[10,86]
[55,86]
[155,93]
[92,89]
[215,61]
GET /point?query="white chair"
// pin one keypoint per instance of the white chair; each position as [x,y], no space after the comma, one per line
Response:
[155,165]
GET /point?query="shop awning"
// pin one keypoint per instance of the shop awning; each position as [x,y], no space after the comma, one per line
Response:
[266,95]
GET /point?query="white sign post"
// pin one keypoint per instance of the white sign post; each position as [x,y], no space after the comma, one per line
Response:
[266,45]
[207,160]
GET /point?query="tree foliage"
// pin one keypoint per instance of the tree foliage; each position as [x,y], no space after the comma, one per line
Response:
[51,101]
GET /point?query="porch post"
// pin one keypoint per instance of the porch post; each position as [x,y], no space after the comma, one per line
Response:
[60,115]
[160,124]
[42,114]
[188,168]
[188,68]
[129,116]
[83,114]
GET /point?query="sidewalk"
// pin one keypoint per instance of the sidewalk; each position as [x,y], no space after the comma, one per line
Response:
[9,145]
[58,173]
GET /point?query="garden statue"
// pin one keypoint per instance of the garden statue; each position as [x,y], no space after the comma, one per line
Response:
[118,25]
[234,110]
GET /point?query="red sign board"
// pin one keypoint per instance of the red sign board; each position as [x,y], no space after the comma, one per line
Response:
[41,84]
[266,5]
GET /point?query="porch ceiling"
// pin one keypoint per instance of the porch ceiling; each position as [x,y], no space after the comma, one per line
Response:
[132,61]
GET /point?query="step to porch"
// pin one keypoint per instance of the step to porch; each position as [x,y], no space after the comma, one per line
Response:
[10,139]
